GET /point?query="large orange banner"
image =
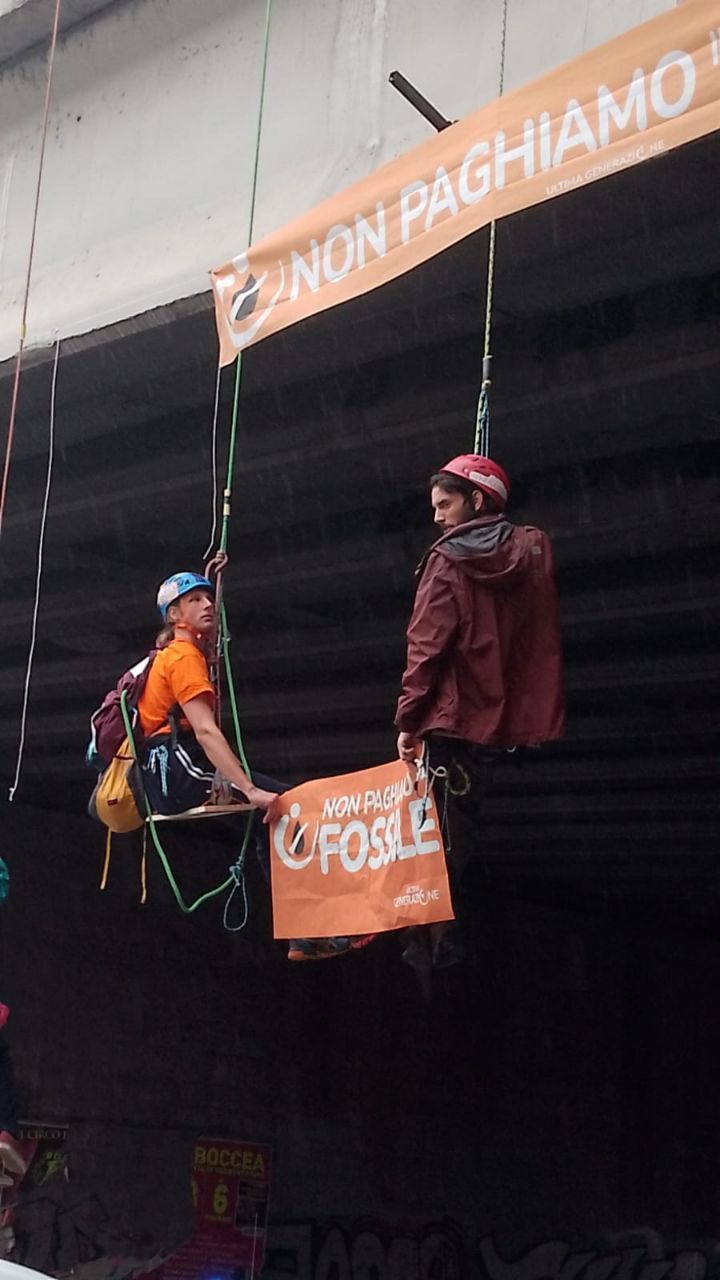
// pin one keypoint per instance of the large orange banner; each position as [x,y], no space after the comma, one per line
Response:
[640,95]
[358,854]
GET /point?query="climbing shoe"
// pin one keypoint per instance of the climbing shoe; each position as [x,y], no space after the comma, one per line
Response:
[317,948]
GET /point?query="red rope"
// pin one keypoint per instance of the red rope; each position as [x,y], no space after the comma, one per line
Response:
[23,322]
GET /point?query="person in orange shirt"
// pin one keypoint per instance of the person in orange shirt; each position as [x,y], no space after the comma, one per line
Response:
[179,761]
[178,767]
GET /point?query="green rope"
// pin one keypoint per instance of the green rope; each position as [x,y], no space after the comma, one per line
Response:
[232,445]
[227,496]
[482,414]
[231,691]
[212,893]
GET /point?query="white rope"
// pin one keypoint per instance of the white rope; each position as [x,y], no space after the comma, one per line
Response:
[215,497]
[38,576]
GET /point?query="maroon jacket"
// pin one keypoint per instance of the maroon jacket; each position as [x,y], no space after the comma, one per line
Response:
[484,659]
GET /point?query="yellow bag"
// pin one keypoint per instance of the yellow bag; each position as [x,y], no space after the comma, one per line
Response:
[117,800]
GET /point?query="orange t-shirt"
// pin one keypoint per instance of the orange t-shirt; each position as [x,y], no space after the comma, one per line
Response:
[178,673]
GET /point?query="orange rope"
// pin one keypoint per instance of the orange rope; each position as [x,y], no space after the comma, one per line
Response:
[106,865]
[143,869]
[23,321]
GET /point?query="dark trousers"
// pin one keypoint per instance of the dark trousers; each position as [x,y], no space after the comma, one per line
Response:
[177,774]
[8,1101]
[466,774]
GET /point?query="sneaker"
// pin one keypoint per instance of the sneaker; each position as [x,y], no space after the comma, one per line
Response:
[11,1154]
[317,948]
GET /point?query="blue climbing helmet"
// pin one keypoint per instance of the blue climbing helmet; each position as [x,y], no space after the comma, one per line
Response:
[177,585]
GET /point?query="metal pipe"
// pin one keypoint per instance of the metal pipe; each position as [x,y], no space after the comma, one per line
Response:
[416,100]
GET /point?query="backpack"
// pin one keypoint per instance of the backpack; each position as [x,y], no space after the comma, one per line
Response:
[107,727]
[118,799]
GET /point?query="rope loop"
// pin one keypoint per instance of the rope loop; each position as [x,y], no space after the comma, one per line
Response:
[237,875]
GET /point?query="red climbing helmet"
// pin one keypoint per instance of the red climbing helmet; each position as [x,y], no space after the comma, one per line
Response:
[482,472]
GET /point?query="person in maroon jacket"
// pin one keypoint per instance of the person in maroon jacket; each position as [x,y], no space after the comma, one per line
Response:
[484,657]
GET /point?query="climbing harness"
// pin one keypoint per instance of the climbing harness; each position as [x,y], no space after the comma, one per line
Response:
[28,276]
[429,775]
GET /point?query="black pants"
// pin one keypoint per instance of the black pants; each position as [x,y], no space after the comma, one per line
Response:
[460,790]
[8,1101]
[177,774]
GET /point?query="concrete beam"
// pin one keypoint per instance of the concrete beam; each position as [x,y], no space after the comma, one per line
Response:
[27,24]
[153,116]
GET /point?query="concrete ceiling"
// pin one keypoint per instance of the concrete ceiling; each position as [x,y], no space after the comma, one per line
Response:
[26,24]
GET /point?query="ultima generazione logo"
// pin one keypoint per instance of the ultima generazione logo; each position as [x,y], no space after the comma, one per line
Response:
[413,896]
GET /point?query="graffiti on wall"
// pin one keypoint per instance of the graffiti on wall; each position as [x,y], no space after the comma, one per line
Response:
[305,1251]
[74,1232]
[636,1255]
[442,1251]
[59,1233]
[55,1235]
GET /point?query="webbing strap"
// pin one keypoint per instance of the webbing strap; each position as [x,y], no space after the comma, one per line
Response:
[106,864]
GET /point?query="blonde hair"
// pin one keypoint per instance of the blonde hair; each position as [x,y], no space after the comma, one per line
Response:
[164,636]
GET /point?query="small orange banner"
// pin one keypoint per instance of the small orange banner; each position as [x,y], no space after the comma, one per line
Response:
[358,854]
[640,95]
